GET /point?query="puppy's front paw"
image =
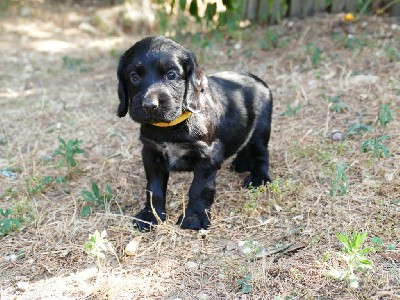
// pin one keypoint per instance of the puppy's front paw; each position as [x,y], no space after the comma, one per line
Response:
[145,220]
[194,220]
[256,181]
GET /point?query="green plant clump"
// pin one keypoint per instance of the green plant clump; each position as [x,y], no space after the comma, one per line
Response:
[339,184]
[376,145]
[8,223]
[98,246]
[353,256]
[94,198]
[243,283]
[336,104]
[68,150]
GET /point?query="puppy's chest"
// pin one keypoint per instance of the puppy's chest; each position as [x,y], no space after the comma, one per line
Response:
[180,156]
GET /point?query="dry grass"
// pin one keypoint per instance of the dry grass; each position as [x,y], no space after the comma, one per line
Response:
[42,99]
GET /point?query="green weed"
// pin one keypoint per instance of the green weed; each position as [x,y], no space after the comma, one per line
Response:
[315,53]
[291,111]
[357,127]
[281,189]
[354,43]
[244,284]
[255,195]
[392,53]
[116,53]
[94,198]
[37,185]
[353,256]
[98,246]
[376,146]
[271,41]
[339,184]
[8,221]
[336,104]
[71,63]
[385,115]
[68,150]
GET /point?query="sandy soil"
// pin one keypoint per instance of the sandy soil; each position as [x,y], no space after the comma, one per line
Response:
[58,79]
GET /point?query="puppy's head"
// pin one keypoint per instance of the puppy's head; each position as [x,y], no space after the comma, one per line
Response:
[158,80]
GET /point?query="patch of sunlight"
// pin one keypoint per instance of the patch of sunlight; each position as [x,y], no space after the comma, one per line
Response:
[31,30]
[52,46]
[108,43]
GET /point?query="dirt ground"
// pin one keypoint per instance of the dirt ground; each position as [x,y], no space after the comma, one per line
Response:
[58,79]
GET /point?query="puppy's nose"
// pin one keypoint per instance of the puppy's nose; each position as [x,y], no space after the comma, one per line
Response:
[149,104]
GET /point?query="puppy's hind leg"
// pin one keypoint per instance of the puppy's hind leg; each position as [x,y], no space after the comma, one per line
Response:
[242,162]
[258,158]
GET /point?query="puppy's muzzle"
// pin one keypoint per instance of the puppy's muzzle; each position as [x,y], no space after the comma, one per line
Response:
[149,104]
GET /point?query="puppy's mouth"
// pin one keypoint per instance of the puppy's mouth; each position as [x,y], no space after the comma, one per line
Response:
[155,116]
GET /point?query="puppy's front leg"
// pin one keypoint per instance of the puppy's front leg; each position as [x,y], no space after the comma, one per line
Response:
[157,178]
[201,196]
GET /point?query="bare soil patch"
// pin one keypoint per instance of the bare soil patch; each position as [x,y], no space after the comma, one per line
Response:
[58,79]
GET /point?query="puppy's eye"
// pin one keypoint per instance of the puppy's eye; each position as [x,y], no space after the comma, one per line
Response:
[172,75]
[135,78]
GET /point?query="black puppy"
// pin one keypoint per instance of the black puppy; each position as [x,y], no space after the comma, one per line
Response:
[190,122]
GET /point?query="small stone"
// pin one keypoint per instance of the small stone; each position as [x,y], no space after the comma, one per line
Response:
[26,11]
[11,258]
[84,26]
[22,285]
[192,265]
[363,79]
[133,246]
[336,135]
[203,296]
[196,248]
[230,246]
[299,217]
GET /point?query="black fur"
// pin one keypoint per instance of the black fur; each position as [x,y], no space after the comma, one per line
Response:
[231,113]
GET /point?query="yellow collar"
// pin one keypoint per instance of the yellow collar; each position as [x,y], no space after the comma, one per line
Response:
[178,120]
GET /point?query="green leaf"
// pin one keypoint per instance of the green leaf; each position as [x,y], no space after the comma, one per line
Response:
[182,5]
[71,161]
[47,180]
[95,189]
[15,222]
[228,4]
[390,247]
[61,179]
[377,240]
[194,9]
[357,128]
[232,4]
[211,11]
[366,263]
[108,191]
[246,289]
[385,115]
[88,196]
[5,213]
[338,107]
[86,211]
[62,141]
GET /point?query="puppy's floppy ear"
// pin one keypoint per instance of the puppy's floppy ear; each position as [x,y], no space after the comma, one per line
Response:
[195,84]
[122,90]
